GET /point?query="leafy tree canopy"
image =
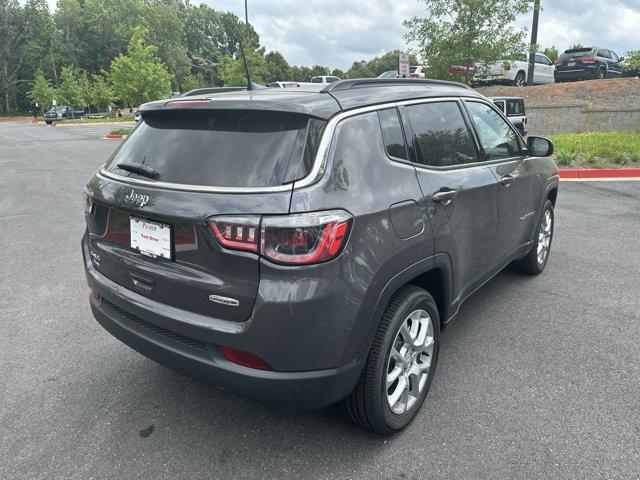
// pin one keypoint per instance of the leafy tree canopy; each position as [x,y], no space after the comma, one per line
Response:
[455,30]
[138,76]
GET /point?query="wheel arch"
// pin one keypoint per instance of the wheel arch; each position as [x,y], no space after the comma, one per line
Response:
[434,274]
[552,194]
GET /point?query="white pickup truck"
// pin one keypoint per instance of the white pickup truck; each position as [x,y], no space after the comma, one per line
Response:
[515,71]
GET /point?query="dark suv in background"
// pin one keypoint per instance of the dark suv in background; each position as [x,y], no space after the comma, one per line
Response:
[588,63]
[308,247]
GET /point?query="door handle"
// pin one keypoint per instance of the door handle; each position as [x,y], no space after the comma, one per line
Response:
[506,180]
[444,196]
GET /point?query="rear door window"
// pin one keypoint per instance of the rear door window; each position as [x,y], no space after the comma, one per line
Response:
[224,148]
[392,133]
[440,134]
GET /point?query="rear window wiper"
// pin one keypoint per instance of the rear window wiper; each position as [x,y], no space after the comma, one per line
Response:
[140,169]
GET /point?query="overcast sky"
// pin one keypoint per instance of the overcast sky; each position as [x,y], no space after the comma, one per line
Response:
[338,32]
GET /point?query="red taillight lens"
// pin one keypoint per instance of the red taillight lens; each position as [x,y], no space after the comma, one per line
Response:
[559,61]
[588,59]
[299,239]
[304,239]
[245,359]
[236,233]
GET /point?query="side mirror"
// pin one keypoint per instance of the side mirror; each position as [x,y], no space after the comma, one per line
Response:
[621,59]
[540,146]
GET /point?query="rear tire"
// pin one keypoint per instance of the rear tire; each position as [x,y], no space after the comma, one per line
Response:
[536,259]
[371,404]
[48,122]
[520,79]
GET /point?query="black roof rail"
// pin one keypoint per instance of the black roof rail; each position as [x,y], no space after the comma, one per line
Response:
[385,82]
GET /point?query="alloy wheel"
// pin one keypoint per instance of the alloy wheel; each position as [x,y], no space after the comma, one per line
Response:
[409,362]
[544,236]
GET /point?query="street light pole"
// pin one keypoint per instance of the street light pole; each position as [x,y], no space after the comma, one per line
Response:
[534,41]
[246,13]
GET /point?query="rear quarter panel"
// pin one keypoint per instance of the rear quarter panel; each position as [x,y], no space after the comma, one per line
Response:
[390,230]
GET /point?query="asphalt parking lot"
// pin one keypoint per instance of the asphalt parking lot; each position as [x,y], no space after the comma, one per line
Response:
[537,378]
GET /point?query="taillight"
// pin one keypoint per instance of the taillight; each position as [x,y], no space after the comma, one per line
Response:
[236,232]
[303,239]
[88,203]
[298,239]
[244,358]
[588,59]
[559,61]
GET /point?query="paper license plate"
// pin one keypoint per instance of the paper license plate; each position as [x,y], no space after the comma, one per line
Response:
[150,238]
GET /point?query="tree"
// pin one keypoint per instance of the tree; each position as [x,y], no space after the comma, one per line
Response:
[12,41]
[139,76]
[71,90]
[551,52]
[42,92]
[101,93]
[233,72]
[632,61]
[576,46]
[277,67]
[455,30]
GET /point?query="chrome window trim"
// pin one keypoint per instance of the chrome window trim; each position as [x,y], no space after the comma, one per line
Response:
[190,188]
[320,162]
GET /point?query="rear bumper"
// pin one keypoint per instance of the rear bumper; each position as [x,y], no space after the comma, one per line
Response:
[578,73]
[175,339]
[314,389]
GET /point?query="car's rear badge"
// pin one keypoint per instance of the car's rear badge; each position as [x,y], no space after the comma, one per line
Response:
[134,198]
[232,302]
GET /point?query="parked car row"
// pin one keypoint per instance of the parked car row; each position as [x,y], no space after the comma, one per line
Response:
[574,64]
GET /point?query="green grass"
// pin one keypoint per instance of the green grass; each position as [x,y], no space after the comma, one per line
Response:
[120,131]
[597,149]
[97,120]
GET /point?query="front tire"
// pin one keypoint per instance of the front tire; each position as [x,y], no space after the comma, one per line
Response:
[520,79]
[536,259]
[401,364]
[602,74]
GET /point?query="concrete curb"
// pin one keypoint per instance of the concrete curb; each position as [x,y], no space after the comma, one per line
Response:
[603,173]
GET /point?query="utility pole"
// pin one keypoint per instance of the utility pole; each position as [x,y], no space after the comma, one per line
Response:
[246,13]
[534,41]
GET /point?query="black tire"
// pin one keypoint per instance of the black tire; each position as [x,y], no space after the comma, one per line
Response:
[48,122]
[367,405]
[531,264]
[520,79]
[602,73]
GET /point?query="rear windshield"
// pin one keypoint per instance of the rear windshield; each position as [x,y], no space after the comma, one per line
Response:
[222,148]
[577,52]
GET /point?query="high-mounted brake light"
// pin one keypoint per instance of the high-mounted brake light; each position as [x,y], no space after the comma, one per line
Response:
[298,239]
[188,103]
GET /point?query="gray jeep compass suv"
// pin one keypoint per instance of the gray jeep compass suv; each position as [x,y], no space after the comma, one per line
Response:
[308,247]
